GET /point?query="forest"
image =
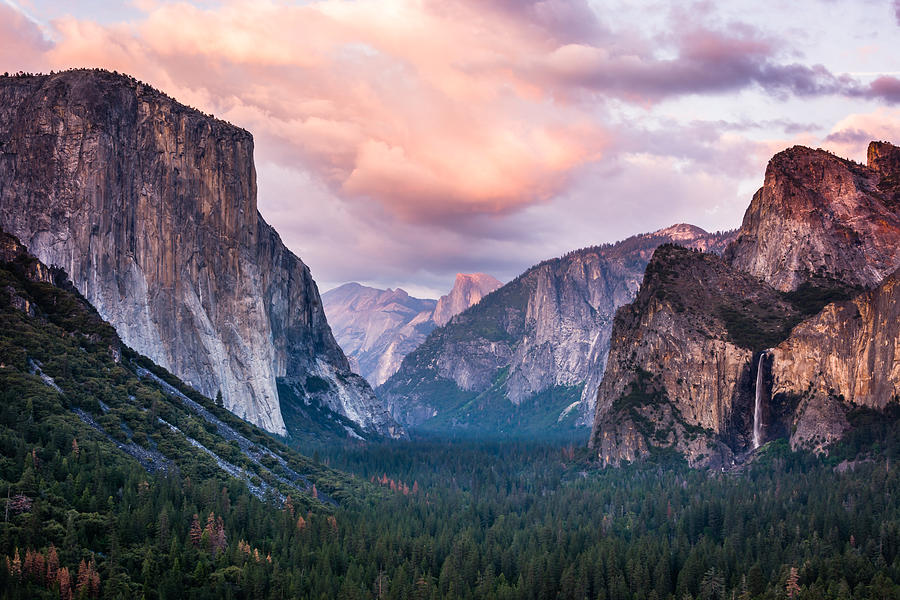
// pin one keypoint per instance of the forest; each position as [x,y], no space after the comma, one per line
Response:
[455,520]
[117,481]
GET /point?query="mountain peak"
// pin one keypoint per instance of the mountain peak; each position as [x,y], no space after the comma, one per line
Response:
[468,289]
[168,244]
[681,232]
[820,217]
[883,158]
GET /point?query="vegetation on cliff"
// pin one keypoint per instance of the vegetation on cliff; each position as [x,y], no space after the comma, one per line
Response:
[86,514]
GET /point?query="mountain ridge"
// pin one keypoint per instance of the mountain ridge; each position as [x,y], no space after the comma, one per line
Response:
[526,352]
[150,206]
[377,328]
[799,330]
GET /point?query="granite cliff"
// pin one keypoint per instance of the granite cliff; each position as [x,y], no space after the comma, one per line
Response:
[781,332]
[522,359]
[823,219]
[150,207]
[680,369]
[468,290]
[846,356]
[377,328]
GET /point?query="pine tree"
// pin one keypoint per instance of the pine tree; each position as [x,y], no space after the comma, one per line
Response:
[83,578]
[28,564]
[52,564]
[210,529]
[162,530]
[196,533]
[65,584]
[94,580]
[219,401]
[712,586]
[15,566]
[221,542]
[792,587]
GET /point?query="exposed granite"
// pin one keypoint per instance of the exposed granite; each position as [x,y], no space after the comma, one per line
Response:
[378,328]
[150,207]
[468,290]
[547,329]
[679,367]
[686,354]
[821,217]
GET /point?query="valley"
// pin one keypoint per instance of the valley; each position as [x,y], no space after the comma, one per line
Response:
[679,414]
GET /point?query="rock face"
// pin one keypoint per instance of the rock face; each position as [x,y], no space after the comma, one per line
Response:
[679,373]
[820,217]
[847,355]
[705,339]
[150,207]
[522,357]
[377,328]
[12,251]
[468,290]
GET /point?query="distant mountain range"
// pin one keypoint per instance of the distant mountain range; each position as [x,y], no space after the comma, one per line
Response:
[792,334]
[706,344]
[377,328]
[527,359]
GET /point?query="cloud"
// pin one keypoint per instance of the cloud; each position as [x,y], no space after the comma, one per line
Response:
[850,136]
[434,110]
[396,102]
[706,61]
[435,136]
[885,88]
[560,21]
[22,43]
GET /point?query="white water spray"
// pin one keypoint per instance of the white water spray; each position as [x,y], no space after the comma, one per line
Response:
[757,408]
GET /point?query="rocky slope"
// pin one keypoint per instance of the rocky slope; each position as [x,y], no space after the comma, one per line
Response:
[822,218]
[680,370]
[523,357]
[69,367]
[846,356]
[377,328]
[150,206]
[468,290]
[690,355]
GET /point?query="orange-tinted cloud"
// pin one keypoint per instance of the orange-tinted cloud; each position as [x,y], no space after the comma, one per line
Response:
[405,128]
[22,44]
[851,136]
[432,109]
[418,106]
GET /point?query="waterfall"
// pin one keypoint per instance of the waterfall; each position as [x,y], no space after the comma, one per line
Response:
[757,407]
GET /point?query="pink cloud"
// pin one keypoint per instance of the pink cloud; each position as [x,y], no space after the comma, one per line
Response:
[434,111]
[396,102]
[886,88]
[22,43]
[705,61]
[850,137]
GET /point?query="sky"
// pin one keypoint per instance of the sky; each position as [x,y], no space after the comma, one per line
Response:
[398,142]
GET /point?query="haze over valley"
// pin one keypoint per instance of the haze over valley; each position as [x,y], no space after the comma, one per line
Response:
[402,299]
